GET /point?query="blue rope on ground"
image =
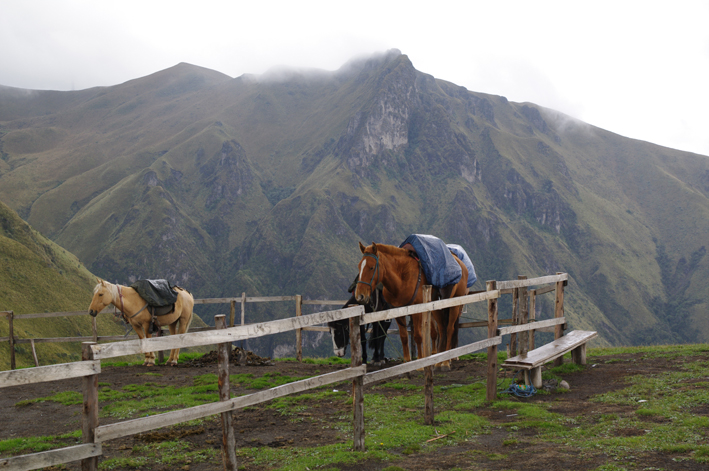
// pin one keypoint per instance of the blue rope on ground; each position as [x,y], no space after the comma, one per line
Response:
[520,390]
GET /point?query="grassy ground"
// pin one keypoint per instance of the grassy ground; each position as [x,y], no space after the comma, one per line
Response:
[629,408]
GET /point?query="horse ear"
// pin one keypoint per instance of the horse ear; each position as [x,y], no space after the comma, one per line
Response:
[361,247]
[374,248]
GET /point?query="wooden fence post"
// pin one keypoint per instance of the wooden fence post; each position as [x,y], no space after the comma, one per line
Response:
[243,316]
[89,415]
[491,351]
[357,386]
[298,332]
[532,315]
[427,370]
[11,332]
[559,312]
[228,438]
[94,328]
[232,312]
[515,321]
[523,317]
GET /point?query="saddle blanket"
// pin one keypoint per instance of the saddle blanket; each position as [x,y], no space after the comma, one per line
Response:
[156,293]
[460,252]
[437,263]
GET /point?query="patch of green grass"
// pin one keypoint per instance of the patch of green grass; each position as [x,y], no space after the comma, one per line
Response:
[26,445]
[65,397]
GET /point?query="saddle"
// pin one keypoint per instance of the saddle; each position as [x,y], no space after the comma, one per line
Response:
[160,298]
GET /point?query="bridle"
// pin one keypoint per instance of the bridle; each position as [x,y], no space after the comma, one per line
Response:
[372,285]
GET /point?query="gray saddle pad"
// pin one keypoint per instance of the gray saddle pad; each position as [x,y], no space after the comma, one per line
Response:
[156,293]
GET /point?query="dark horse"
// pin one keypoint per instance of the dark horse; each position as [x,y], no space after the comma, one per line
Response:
[340,330]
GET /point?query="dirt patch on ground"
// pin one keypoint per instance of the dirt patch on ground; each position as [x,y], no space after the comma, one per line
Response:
[266,427]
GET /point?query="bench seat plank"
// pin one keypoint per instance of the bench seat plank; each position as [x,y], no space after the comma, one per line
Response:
[551,351]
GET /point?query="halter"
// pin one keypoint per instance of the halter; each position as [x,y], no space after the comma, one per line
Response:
[372,285]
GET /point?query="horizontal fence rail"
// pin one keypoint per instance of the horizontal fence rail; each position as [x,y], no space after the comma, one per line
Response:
[41,374]
[231,334]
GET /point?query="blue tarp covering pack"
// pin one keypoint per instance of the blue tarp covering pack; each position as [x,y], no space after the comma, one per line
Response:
[437,262]
[463,256]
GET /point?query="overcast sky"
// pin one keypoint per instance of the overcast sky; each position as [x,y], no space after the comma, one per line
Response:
[636,68]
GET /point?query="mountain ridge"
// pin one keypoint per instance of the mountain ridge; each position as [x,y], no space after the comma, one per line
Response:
[267,184]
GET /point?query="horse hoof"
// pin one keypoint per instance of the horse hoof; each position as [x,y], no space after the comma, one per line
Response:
[172,363]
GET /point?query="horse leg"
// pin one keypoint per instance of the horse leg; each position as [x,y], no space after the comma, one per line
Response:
[184,322]
[404,337]
[175,352]
[376,341]
[149,356]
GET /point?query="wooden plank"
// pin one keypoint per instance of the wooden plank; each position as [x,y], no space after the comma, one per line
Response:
[551,351]
[40,315]
[298,332]
[325,302]
[491,386]
[435,305]
[531,326]
[357,386]
[545,290]
[89,412]
[144,424]
[228,438]
[11,334]
[428,414]
[41,374]
[232,334]
[542,280]
[55,340]
[317,329]
[45,459]
[559,312]
[432,360]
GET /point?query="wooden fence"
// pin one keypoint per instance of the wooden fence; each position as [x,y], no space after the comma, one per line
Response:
[95,337]
[89,370]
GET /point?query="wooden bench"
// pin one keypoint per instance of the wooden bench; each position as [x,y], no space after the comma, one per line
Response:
[575,342]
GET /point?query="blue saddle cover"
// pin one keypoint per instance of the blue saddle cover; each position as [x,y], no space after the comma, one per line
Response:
[437,263]
[463,256]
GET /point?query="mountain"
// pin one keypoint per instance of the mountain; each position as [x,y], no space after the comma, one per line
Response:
[39,276]
[266,184]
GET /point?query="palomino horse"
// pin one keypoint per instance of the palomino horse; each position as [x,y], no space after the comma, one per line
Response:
[402,278]
[131,305]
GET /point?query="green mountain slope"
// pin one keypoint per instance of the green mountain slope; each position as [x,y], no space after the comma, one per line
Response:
[266,185]
[37,275]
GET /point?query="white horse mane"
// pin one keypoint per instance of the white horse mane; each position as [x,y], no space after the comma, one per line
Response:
[110,287]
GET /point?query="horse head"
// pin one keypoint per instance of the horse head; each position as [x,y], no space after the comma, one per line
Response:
[103,296]
[370,273]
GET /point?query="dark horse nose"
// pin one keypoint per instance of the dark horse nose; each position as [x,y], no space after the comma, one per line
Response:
[93,313]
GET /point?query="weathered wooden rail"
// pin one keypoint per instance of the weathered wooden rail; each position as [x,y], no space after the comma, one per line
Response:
[92,353]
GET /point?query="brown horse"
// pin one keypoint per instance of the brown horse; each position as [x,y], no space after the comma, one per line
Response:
[131,305]
[402,278]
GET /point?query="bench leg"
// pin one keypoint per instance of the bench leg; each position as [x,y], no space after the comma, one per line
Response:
[536,374]
[578,354]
